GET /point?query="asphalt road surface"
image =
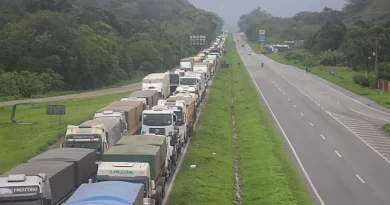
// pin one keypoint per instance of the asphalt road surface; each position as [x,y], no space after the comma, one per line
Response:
[333,135]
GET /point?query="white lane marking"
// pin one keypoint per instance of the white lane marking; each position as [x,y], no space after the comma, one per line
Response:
[288,99]
[386,120]
[353,99]
[338,154]
[294,105]
[338,103]
[288,140]
[323,137]
[302,114]
[311,124]
[358,137]
[323,108]
[284,93]
[360,179]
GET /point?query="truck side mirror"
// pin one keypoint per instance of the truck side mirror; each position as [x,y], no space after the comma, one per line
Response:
[174,118]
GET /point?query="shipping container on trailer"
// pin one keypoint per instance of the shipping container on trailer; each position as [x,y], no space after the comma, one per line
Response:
[150,95]
[112,128]
[60,178]
[83,159]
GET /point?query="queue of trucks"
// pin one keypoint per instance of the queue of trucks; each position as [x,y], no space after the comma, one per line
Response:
[128,151]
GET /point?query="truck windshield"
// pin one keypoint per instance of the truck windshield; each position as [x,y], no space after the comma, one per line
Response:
[157,119]
[187,81]
[85,144]
[180,120]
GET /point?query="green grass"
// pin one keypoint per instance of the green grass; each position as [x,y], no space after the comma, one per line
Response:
[136,79]
[343,78]
[267,175]
[21,142]
[386,128]
[211,182]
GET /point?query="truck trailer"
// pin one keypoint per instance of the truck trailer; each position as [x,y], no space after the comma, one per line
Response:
[132,111]
[191,113]
[158,82]
[151,97]
[97,134]
[108,193]
[49,178]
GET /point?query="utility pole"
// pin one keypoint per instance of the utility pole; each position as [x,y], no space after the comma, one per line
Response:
[376,63]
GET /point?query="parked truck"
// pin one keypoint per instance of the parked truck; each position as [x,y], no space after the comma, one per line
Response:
[190,115]
[130,160]
[188,94]
[200,82]
[47,179]
[158,82]
[132,110]
[97,134]
[179,108]
[151,97]
[108,193]
[203,68]
[186,64]
[174,78]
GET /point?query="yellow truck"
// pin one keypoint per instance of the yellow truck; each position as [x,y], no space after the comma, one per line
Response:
[190,112]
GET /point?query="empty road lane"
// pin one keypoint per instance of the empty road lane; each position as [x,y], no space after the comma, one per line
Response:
[334,135]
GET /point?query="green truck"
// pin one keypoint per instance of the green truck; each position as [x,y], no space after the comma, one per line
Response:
[138,161]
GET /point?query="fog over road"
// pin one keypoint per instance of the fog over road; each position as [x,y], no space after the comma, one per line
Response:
[337,142]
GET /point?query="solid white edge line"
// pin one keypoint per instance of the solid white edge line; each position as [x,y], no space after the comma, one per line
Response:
[360,179]
[386,120]
[358,137]
[338,154]
[287,139]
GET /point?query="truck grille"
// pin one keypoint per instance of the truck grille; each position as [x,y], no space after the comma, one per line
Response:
[157,131]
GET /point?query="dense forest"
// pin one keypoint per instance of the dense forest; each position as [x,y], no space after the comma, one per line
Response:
[332,38]
[56,45]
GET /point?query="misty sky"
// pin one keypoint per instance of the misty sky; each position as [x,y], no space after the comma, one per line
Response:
[231,10]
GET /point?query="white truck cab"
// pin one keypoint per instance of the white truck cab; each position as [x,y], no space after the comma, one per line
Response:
[180,109]
[129,172]
[201,82]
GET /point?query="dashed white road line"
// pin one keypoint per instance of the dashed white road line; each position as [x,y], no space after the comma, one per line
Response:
[288,141]
[294,105]
[338,154]
[360,179]
[302,114]
[323,137]
[288,99]
[311,124]
[338,103]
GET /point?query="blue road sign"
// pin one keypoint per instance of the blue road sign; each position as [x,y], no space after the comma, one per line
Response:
[261,37]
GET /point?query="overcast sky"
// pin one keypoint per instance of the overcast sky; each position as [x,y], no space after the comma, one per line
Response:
[231,10]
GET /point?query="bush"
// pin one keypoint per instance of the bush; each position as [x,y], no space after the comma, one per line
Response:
[362,80]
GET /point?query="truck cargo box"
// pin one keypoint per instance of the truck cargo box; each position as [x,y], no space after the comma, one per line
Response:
[61,176]
[83,159]
[112,128]
[155,140]
[108,193]
[132,109]
[136,153]
[150,95]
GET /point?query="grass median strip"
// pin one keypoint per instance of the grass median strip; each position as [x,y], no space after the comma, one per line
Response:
[211,182]
[268,176]
[20,142]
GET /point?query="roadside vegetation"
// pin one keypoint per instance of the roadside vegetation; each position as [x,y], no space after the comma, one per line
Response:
[23,140]
[267,175]
[339,41]
[51,47]
[386,128]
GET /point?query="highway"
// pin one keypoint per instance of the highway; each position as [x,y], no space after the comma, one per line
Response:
[332,135]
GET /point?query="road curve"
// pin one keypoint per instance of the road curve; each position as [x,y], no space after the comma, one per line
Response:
[121,89]
[332,134]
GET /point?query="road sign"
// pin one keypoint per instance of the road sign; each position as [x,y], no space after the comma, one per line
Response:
[262,32]
[198,40]
[261,37]
[55,109]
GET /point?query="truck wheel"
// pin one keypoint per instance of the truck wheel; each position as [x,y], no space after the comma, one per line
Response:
[159,198]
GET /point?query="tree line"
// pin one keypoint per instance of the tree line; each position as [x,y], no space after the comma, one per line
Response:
[331,37]
[56,45]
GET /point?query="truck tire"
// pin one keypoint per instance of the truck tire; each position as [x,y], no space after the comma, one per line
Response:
[159,198]
[161,182]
